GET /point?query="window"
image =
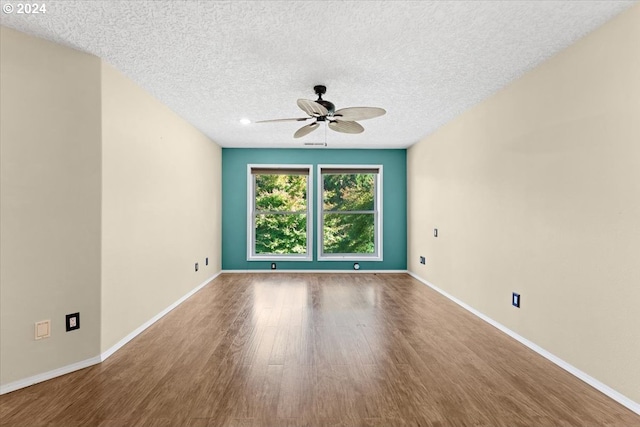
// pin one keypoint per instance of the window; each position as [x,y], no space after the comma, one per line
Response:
[350,215]
[279,205]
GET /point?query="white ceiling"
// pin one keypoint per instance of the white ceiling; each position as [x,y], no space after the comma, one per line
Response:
[215,62]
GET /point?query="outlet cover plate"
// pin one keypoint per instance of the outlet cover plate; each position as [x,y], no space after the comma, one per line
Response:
[515,300]
[72,321]
[43,329]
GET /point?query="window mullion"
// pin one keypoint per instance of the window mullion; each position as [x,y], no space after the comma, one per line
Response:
[281,212]
[350,212]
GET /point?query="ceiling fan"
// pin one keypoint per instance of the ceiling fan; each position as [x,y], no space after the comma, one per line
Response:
[342,120]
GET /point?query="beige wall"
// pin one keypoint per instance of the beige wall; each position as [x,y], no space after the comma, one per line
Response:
[107,201]
[49,204]
[161,195]
[537,190]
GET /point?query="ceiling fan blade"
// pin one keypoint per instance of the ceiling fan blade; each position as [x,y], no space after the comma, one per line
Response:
[346,127]
[305,130]
[312,108]
[301,119]
[351,114]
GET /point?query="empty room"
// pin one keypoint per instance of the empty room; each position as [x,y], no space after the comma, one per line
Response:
[331,213]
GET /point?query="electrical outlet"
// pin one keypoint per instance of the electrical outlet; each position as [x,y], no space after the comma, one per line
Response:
[435,232]
[273,265]
[515,300]
[72,321]
[196,266]
[423,260]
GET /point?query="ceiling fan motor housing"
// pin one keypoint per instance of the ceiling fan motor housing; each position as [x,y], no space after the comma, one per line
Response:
[328,105]
[321,90]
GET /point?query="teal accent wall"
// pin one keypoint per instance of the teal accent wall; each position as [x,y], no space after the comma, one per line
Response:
[234,204]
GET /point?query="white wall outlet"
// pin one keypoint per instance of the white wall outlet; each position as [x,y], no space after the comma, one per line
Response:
[43,329]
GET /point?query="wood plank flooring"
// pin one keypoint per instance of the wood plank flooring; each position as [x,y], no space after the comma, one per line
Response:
[282,349]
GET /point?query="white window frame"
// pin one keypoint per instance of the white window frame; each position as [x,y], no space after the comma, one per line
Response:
[251,215]
[378,208]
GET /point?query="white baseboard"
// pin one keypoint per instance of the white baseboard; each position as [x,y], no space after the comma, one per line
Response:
[154,319]
[26,382]
[618,397]
[314,271]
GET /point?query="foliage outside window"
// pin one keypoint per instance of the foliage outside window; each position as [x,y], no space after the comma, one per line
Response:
[280,206]
[350,225]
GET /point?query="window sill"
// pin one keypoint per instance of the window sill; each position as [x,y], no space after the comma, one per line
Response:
[279,258]
[360,258]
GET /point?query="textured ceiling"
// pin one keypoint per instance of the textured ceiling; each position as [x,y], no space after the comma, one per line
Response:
[216,62]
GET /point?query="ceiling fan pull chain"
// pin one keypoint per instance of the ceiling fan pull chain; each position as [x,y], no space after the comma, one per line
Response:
[326,125]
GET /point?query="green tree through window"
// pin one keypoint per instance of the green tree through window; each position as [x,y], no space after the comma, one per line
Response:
[280,211]
[350,212]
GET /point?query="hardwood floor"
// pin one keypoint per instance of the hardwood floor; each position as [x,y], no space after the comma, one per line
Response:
[317,349]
